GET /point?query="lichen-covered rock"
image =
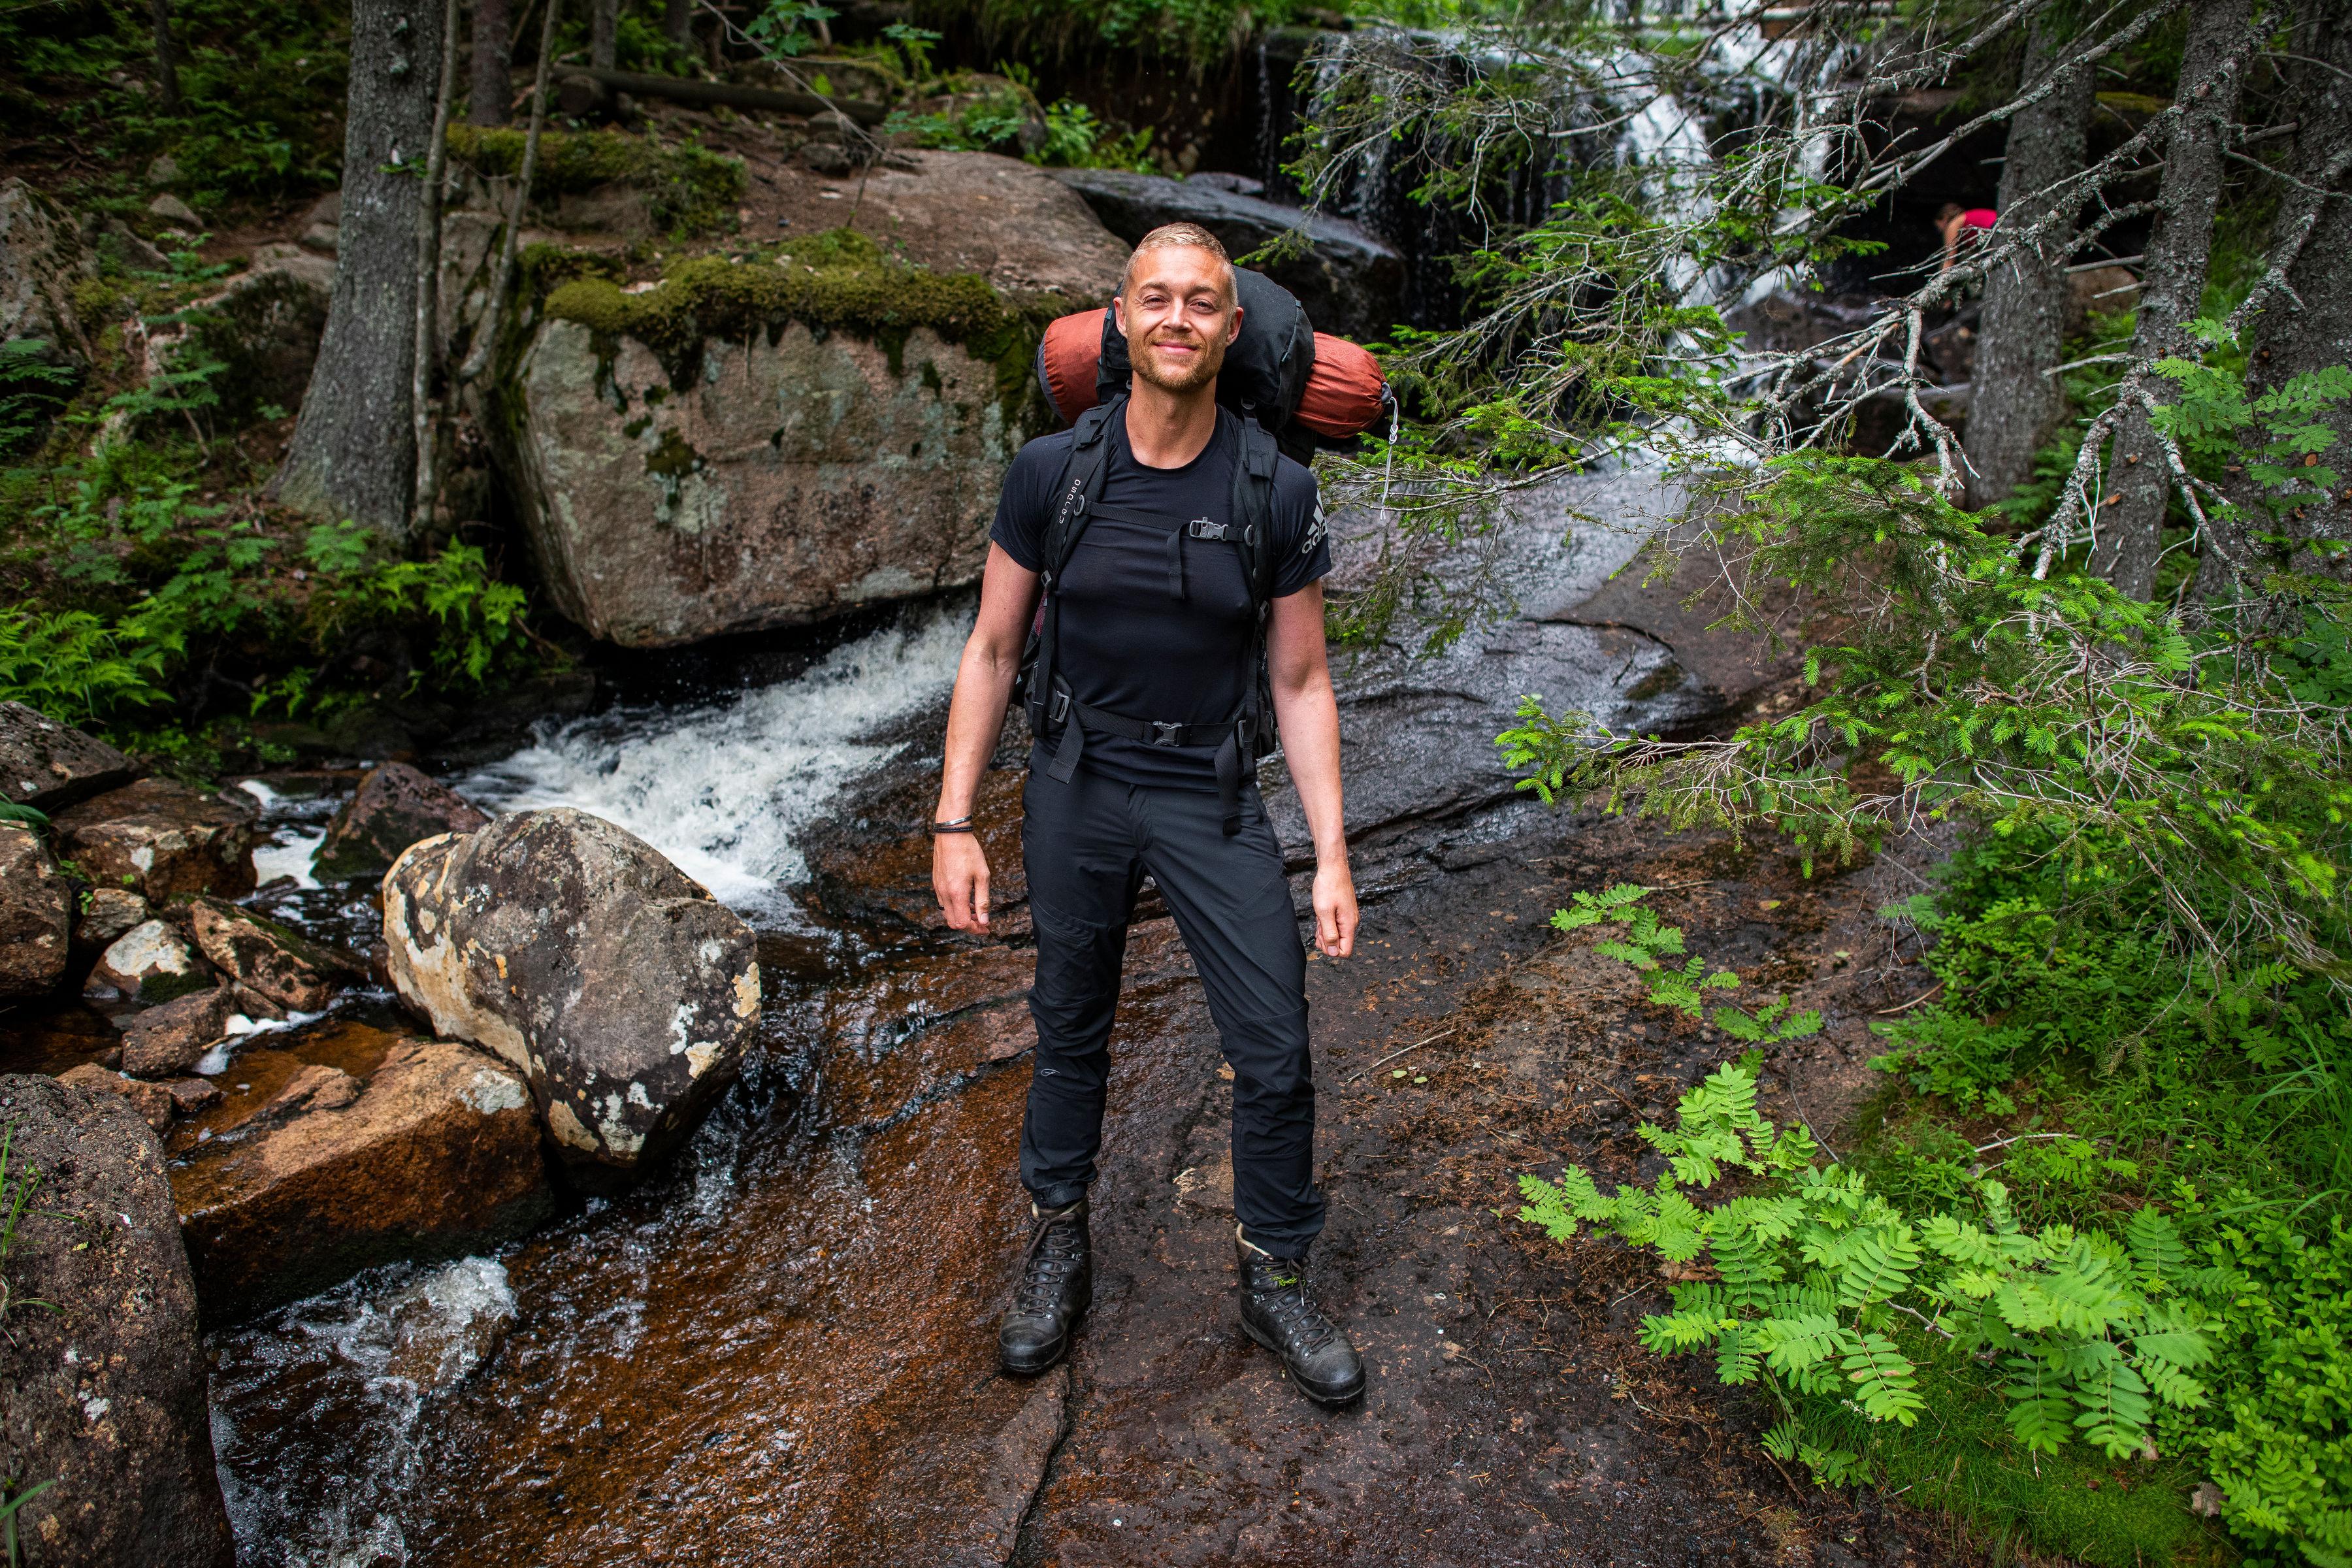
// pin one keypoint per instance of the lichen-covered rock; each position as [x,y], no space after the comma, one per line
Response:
[162,837]
[286,967]
[578,952]
[395,806]
[164,1041]
[36,914]
[436,1155]
[40,260]
[48,766]
[105,1395]
[107,914]
[151,963]
[762,444]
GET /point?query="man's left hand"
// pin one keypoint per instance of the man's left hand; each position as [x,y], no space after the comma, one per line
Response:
[1335,908]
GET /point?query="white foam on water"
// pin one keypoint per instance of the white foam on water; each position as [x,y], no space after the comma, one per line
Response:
[725,790]
[287,854]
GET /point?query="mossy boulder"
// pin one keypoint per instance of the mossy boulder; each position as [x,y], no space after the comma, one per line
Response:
[764,441]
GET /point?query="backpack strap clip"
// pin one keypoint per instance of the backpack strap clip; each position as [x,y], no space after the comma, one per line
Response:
[1202,528]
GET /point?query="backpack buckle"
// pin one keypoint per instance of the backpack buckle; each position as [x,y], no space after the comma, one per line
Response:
[1057,710]
[1167,733]
[1202,528]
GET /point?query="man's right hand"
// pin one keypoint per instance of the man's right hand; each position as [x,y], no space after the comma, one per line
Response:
[959,877]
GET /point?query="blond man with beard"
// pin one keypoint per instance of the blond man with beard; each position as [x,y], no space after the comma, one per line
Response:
[1142,765]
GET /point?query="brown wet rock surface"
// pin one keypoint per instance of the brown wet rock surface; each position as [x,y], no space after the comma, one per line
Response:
[781,1350]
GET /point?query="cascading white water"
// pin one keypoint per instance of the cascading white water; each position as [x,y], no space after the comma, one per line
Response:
[724,790]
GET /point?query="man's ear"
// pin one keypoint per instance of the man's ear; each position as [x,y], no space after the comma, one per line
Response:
[1118,312]
[1234,335]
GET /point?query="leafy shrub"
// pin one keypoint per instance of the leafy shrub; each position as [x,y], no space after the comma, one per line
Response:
[1643,944]
[33,387]
[1817,1275]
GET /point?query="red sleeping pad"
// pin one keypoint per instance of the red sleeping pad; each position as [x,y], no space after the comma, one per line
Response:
[1342,396]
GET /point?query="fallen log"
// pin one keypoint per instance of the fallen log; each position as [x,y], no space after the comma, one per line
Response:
[679,89]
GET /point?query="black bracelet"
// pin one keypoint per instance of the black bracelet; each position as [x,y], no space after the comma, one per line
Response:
[961,825]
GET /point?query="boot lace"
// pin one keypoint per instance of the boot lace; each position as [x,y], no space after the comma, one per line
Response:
[1052,1256]
[1295,1316]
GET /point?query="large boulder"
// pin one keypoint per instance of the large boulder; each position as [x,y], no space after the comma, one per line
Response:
[794,475]
[434,1154]
[40,260]
[284,966]
[36,914]
[153,962]
[153,1104]
[578,952]
[105,1390]
[1351,281]
[163,837]
[395,806]
[48,766]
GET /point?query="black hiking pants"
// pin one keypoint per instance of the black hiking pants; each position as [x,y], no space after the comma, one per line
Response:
[1088,845]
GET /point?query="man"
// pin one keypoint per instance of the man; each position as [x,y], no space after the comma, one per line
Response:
[1140,767]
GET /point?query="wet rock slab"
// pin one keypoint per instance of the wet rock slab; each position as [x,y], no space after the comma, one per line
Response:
[106,1392]
[433,1153]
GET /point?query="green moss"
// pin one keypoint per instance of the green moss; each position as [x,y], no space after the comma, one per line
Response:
[671,457]
[835,281]
[692,190]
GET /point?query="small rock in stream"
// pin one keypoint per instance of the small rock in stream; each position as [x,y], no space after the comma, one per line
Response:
[110,913]
[289,969]
[151,963]
[167,1040]
[155,1104]
[395,806]
[106,1389]
[36,914]
[578,952]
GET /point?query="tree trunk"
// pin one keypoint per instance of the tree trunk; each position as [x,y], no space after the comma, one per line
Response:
[493,65]
[2016,403]
[2128,534]
[678,23]
[167,57]
[428,277]
[603,30]
[2307,325]
[353,454]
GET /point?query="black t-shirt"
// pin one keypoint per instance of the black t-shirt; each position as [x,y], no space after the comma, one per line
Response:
[1128,645]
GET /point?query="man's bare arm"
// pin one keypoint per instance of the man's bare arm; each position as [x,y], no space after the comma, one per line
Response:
[1308,714]
[992,659]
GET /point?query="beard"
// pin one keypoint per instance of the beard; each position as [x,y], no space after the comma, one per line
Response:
[1203,369]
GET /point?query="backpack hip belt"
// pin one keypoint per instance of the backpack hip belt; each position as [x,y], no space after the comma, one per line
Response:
[1076,718]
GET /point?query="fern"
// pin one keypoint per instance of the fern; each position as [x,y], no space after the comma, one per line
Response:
[1817,1275]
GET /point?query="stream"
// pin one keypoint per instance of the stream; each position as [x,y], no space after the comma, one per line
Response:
[770,1351]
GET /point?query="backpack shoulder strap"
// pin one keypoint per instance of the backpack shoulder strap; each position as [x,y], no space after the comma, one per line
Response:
[1254,508]
[1081,482]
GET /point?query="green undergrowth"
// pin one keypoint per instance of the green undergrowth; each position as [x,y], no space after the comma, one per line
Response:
[691,189]
[2086,1278]
[839,279]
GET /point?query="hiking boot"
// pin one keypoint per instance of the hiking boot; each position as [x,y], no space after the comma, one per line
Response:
[1277,1312]
[1057,1281]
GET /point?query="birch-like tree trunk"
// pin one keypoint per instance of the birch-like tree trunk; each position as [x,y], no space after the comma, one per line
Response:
[2016,403]
[603,32]
[353,454]
[2129,521]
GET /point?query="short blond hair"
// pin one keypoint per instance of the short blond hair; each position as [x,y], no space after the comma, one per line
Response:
[1190,235]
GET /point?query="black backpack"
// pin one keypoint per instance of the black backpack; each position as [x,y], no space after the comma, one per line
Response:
[1046,698]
